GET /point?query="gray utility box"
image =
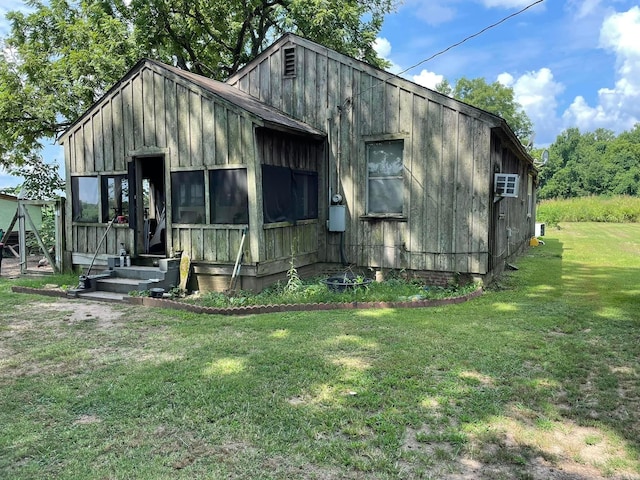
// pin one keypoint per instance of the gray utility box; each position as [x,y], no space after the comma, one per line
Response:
[337,218]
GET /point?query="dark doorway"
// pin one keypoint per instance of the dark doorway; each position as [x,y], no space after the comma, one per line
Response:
[149,205]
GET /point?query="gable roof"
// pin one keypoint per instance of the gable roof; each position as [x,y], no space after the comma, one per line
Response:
[268,116]
[497,123]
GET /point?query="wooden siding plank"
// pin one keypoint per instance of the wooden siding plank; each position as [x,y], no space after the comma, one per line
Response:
[463,213]
[321,92]
[183,115]
[138,110]
[127,127]
[481,198]
[209,245]
[197,253]
[256,214]
[378,89]
[118,130]
[98,141]
[417,183]
[171,122]
[275,93]
[195,130]
[264,74]
[222,246]
[309,80]
[78,144]
[159,120]
[447,191]
[208,132]
[254,82]
[247,151]
[107,133]
[392,108]
[288,93]
[433,175]
[221,137]
[87,138]
[235,138]
[150,113]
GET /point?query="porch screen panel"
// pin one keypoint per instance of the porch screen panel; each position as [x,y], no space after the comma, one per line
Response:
[187,197]
[229,197]
[289,195]
[276,193]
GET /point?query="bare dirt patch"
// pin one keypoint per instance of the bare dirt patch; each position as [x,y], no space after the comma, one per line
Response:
[512,448]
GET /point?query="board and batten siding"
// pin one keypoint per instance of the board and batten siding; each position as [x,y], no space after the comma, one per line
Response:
[280,241]
[446,157]
[153,111]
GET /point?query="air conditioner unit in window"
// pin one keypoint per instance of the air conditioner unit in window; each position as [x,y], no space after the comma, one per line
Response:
[506,184]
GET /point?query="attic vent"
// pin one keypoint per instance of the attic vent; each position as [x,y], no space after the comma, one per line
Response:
[289,62]
[506,184]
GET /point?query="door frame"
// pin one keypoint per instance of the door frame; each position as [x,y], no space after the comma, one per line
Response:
[139,168]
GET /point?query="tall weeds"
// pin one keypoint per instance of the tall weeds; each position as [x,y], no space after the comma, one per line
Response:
[619,209]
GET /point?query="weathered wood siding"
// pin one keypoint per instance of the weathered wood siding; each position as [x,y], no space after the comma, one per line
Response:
[154,110]
[512,226]
[211,243]
[279,241]
[447,162]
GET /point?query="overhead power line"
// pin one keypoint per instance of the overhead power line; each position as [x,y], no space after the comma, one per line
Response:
[493,25]
[489,27]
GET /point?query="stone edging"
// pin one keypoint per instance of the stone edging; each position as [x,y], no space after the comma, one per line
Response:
[256,309]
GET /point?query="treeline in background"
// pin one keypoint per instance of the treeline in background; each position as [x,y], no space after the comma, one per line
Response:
[591,177]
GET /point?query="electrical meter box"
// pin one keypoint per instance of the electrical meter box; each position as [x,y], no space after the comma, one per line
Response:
[337,218]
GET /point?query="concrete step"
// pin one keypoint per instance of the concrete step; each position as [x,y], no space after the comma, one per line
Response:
[119,285]
[103,296]
[142,273]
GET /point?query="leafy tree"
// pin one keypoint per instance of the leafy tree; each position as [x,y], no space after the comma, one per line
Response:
[495,98]
[62,56]
[592,163]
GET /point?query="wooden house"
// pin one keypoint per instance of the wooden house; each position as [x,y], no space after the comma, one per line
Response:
[316,156]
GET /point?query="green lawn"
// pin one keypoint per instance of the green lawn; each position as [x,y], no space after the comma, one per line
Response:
[537,379]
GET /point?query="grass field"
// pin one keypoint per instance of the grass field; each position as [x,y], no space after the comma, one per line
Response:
[537,379]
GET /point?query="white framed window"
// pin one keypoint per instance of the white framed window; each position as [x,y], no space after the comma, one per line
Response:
[506,184]
[385,177]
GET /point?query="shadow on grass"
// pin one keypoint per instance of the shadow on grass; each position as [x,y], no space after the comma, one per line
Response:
[538,379]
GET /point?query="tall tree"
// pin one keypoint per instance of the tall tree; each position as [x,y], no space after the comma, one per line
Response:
[592,163]
[61,56]
[495,98]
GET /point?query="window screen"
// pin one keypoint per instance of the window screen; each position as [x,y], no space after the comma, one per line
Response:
[289,195]
[187,197]
[229,200]
[385,181]
[85,206]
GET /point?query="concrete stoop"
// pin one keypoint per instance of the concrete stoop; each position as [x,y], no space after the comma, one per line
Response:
[116,282]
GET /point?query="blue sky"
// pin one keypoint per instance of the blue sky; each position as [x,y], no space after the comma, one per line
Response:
[572,63]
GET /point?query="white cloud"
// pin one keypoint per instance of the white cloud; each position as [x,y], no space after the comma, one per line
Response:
[382,47]
[506,79]
[428,79]
[537,93]
[618,107]
[433,12]
[506,3]
[584,8]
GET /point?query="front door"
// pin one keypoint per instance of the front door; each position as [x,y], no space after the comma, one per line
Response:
[148,208]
